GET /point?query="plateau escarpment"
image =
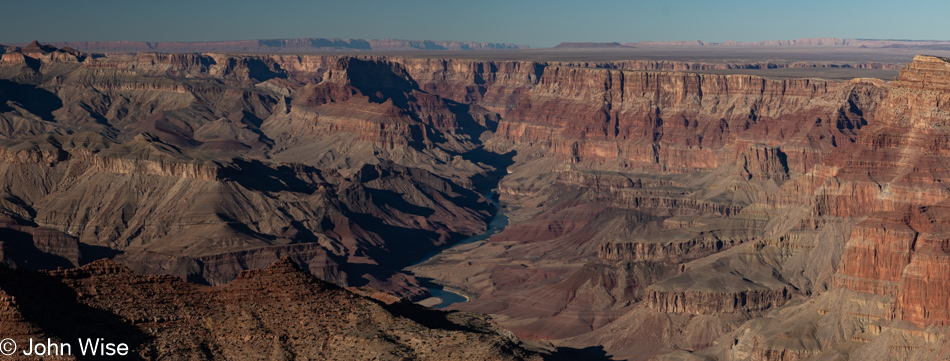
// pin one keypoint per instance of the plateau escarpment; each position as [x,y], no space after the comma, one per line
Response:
[646,168]
[796,165]
[655,212]
[887,187]
[281,45]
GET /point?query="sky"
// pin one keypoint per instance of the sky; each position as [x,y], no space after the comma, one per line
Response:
[538,23]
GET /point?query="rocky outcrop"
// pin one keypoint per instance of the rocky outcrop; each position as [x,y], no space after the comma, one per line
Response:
[679,251]
[161,316]
[894,250]
[886,292]
[922,298]
[763,162]
[715,301]
[876,254]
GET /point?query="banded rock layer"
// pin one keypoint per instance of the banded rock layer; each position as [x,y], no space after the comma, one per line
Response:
[653,213]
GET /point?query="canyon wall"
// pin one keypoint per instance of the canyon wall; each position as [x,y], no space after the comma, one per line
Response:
[707,211]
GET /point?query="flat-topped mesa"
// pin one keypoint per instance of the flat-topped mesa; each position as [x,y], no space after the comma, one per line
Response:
[674,202]
[282,45]
[805,42]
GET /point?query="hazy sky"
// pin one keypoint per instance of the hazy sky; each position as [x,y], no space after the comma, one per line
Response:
[539,23]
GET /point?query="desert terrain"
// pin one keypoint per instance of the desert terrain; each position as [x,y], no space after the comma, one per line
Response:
[644,201]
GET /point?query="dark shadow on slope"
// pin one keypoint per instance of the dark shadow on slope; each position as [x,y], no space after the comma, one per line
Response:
[260,71]
[54,307]
[19,248]
[89,253]
[257,176]
[467,124]
[593,353]
[473,129]
[405,244]
[36,100]
[241,228]
[499,161]
[380,81]
[383,198]
[430,318]
[431,183]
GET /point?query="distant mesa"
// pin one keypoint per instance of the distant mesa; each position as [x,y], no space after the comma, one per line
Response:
[278,45]
[822,42]
[570,45]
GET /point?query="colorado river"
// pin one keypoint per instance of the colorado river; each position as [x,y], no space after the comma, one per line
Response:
[497,224]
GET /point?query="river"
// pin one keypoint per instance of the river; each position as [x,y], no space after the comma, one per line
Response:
[497,224]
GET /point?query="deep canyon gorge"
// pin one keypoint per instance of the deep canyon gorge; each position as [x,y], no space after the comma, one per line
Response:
[655,209]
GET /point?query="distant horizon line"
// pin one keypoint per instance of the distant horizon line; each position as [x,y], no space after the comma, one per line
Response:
[510,45]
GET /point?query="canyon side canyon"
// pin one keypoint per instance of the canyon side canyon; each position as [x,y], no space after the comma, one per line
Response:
[657,209]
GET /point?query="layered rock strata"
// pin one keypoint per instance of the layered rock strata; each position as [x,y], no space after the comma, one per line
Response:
[653,212]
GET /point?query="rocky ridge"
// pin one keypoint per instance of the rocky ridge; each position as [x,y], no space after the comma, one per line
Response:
[255,316]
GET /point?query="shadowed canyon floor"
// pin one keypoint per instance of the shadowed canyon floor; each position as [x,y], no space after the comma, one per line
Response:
[670,209]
